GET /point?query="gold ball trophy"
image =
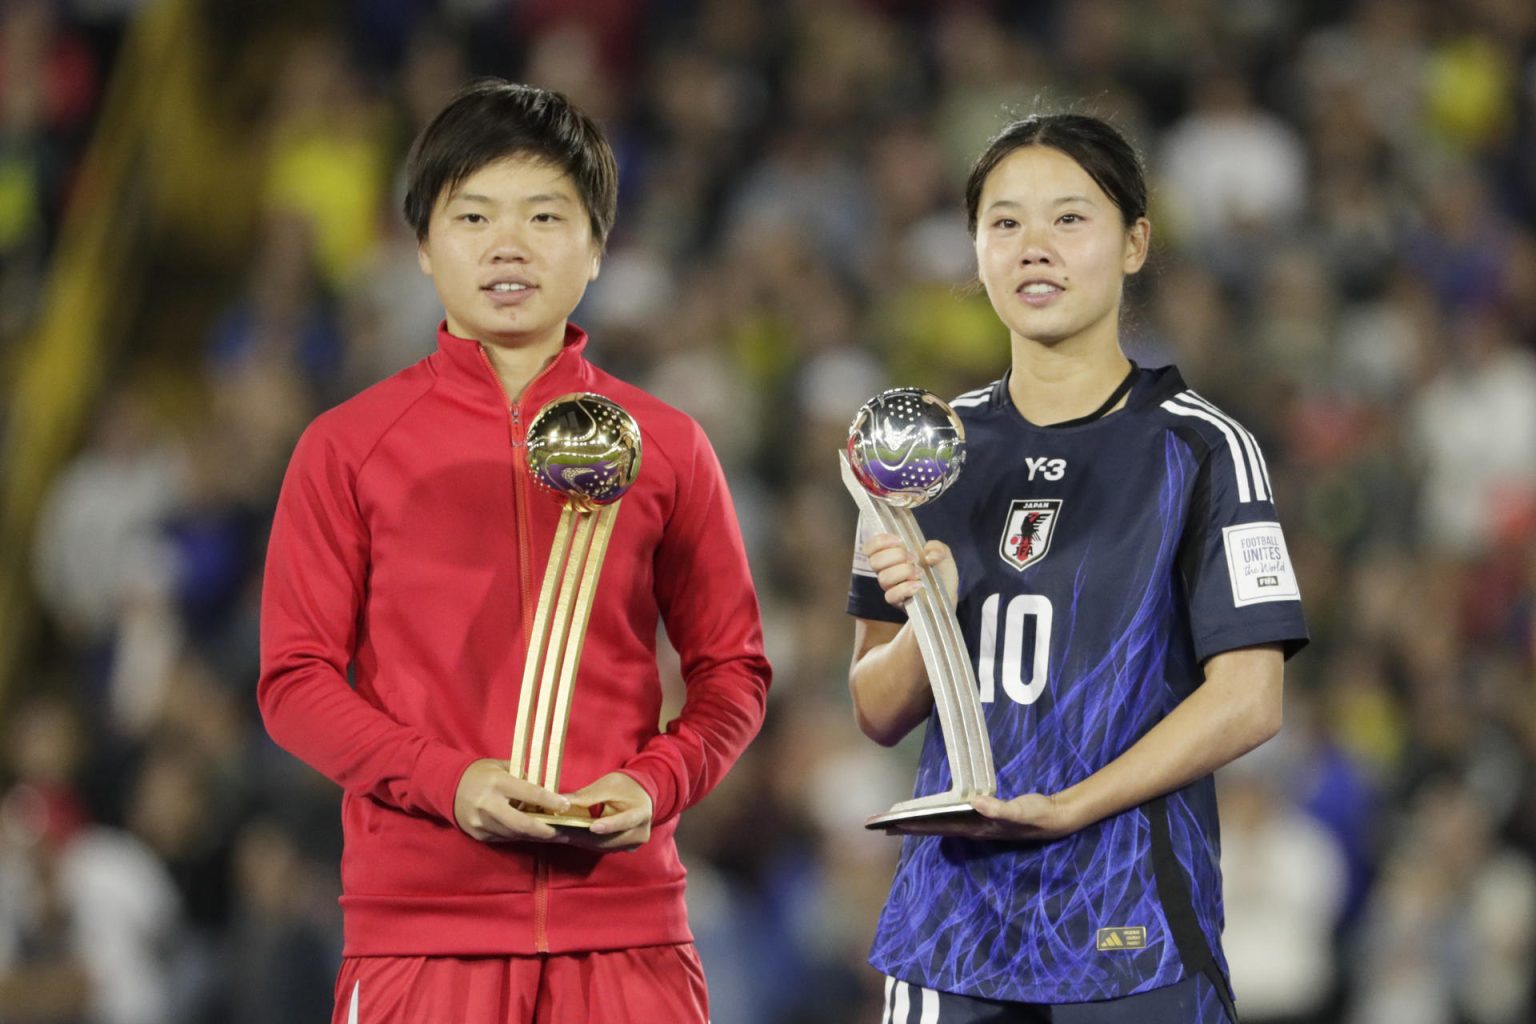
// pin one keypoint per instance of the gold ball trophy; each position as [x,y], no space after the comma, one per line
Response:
[586,449]
[905,447]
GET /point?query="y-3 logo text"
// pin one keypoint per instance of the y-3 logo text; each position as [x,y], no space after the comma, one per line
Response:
[1048,469]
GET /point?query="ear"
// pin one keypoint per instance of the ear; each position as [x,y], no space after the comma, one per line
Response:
[423,258]
[1138,242]
[597,265]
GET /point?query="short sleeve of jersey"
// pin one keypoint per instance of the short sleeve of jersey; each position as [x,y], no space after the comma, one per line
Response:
[865,598]
[1240,584]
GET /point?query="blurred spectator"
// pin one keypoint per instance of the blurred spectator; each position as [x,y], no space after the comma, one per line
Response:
[88,916]
[282,956]
[1233,175]
[328,161]
[97,528]
[1474,427]
[1451,931]
[283,317]
[1284,879]
[102,566]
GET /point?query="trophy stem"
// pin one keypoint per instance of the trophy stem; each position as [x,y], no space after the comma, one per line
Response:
[570,657]
[539,750]
[950,676]
[554,649]
[945,645]
[534,661]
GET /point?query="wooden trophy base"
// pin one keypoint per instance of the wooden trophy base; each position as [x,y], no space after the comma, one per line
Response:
[562,820]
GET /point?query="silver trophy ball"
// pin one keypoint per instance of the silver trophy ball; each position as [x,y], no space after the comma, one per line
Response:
[585,448]
[906,446]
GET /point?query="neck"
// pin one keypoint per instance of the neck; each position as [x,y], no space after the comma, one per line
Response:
[1056,383]
[517,364]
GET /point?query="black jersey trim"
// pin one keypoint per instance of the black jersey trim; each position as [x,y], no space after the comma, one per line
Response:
[1149,388]
[1121,390]
[1166,382]
[1179,907]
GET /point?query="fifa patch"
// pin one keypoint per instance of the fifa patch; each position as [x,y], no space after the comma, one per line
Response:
[1112,940]
[1259,564]
[1028,531]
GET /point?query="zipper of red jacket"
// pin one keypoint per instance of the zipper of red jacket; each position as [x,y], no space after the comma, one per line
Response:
[517,432]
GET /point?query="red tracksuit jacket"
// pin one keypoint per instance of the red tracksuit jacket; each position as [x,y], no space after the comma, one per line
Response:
[409,544]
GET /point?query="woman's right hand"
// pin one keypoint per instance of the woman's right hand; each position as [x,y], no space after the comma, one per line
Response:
[488,805]
[898,570]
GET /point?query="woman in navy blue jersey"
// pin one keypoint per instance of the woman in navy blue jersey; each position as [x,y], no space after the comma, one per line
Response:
[1121,577]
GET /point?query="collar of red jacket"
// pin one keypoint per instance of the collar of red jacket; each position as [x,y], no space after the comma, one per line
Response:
[461,361]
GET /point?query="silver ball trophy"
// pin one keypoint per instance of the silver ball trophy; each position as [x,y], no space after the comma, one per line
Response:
[906,447]
[586,449]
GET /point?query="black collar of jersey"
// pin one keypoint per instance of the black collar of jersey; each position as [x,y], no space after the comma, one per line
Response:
[1108,404]
[1147,387]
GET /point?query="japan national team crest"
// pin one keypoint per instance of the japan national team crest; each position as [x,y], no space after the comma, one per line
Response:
[1027,534]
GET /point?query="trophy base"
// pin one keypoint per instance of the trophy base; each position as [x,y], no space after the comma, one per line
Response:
[958,818]
[562,820]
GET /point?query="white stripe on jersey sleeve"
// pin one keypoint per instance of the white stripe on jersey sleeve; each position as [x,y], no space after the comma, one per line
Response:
[978,397]
[1239,462]
[903,1005]
[930,1007]
[1255,456]
[357,989]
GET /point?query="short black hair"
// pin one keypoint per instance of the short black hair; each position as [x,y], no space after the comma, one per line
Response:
[1096,145]
[492,119]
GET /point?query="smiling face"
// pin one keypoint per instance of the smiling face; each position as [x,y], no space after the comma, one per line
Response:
[1052,249]
[511,252]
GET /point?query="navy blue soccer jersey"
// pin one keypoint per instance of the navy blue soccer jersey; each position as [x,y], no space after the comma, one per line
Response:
[1100,565]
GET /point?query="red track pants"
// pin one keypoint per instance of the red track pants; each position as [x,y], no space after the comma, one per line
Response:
[646,985]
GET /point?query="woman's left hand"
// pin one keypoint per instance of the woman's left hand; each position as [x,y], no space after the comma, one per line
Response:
[624,821]
[1030,816]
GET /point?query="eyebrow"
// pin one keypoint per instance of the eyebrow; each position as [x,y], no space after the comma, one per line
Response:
[542,197]
[1064,200]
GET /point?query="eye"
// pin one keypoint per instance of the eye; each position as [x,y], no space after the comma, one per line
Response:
[1005,223]
[471,218]
[546,218]
[1070,218]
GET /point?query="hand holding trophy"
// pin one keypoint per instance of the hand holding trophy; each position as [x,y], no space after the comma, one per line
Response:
[586,449]
[905,447]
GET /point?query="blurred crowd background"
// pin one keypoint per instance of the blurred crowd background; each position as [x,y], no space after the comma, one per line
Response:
[200,249]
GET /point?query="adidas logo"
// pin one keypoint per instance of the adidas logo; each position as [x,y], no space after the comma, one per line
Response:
[1114,939]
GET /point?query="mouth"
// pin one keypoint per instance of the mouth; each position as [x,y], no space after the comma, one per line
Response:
[508,291]
[1039,292]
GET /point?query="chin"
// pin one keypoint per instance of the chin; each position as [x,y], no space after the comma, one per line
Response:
[1041,335]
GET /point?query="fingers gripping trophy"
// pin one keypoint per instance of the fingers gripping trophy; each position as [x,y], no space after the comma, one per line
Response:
[586,449]
[905,448]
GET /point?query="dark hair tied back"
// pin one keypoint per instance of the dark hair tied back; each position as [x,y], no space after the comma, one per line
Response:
[1096,145]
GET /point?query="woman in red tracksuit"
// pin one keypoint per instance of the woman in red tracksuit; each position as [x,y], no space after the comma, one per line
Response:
[407,549]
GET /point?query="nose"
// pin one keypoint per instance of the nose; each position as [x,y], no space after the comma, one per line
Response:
[508,246]
[1036,252]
